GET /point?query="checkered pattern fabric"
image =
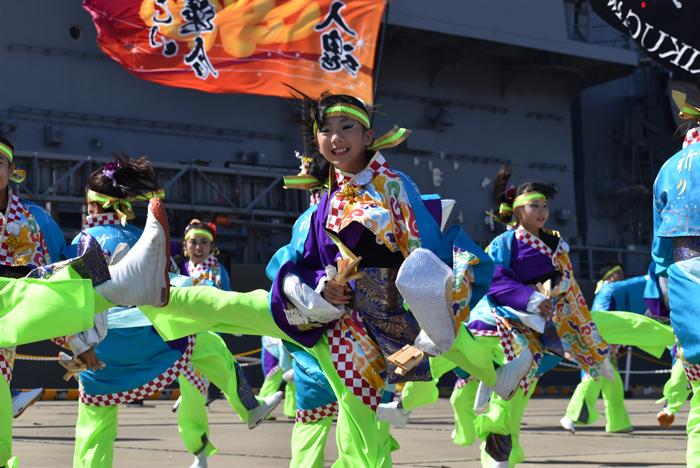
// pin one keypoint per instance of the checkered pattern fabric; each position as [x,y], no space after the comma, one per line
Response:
[317,414]
[691,136]
[484,332]
[533,241]
[102,219]
[315,198]
[202,271]
[194,379]
[5,369]
[342,361]
[338,201]
[507,344]
[462,382]
[144,391]
[692,372]
[272,371]
[505,338]
[14,208]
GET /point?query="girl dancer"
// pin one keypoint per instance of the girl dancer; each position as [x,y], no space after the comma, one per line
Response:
[676,251]
[73,292]
[525,256]
[138,362]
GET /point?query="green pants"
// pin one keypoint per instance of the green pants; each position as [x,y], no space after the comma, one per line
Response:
[5,422]
[630,329]
[96,428]
[194,309]
[309,443]
[462,401]
[504,417]
[417,394]
[212,358]
[676,389]
[62,305]
[692,456]
[581,409]
[272,384]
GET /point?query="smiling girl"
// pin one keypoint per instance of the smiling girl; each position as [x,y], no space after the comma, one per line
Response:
[374,214]
[525,319]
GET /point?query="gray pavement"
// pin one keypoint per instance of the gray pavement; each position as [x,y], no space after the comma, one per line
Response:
[148,436]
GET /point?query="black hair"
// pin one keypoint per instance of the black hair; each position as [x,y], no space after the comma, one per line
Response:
[131,178]
[507,195]
[609,265]
[313,112]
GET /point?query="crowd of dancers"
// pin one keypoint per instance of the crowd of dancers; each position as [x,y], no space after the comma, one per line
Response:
[372,301]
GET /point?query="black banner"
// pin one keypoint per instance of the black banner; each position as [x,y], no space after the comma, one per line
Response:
[667,30]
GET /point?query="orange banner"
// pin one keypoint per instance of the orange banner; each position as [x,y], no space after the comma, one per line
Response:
[244,46]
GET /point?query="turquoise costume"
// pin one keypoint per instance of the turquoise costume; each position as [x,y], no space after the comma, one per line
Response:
[676,251]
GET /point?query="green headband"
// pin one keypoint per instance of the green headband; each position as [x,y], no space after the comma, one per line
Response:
[505,209]
[18,176]
[394,138]
[606,276]
[4,149]
[612,270]
[346,110]
[526,198]
[199,232]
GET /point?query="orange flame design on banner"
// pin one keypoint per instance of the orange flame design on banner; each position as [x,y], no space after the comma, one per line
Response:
[244,46]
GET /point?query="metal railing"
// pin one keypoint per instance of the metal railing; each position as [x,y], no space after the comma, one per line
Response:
[587,261]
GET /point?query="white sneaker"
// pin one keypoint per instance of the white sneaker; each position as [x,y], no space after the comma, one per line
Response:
[483,395]
[454,434]
[501,464]
[510,375]
[141,277]
[392,413]
[567,424]
[200,461]
[288,376]
[259,414]
[24,400]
